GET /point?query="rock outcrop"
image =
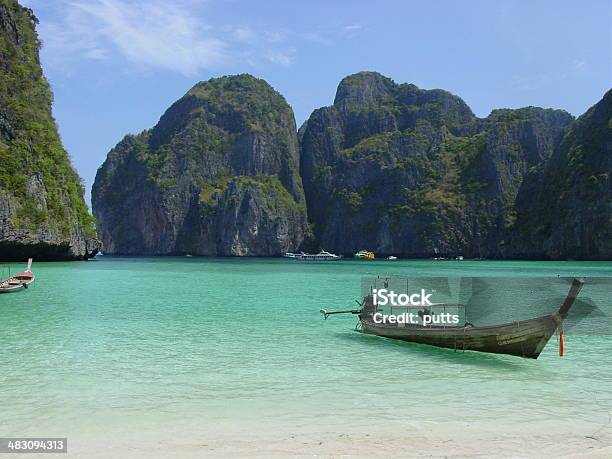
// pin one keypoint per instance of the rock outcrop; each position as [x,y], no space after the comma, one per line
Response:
[218,176]
[388,167]
[565,205]
[42,210]
[401,170]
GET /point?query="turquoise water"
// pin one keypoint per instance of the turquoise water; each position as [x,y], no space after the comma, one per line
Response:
[117,349]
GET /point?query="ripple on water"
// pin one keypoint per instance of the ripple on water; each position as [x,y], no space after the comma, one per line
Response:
[140,343]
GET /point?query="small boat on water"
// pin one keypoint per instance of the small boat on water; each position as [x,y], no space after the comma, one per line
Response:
[19,281]
[524,338]
[365,255]
[321,256]
[391,257]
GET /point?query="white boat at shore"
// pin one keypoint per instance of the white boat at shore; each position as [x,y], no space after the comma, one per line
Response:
[321,256]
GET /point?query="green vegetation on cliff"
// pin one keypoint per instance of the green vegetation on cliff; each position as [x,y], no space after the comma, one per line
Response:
[404,170]
[29,142]
[217,175]
[211,191]
[565,208]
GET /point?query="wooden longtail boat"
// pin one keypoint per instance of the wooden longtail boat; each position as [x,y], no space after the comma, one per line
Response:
[18,281]
[524,338]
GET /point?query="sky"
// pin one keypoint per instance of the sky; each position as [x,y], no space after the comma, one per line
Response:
[116,65]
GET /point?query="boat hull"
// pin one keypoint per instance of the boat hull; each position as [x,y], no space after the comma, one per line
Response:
[311,257]
[12,289]
[17,283]
[525,338]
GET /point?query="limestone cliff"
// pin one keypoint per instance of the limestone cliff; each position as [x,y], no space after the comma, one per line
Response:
[217,175]
[397,169]
[565,206]
[388,167]
[42,211]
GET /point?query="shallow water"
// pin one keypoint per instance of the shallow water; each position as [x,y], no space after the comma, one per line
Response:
[117,349]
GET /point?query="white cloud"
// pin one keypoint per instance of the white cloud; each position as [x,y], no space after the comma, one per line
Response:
[284,58]
[145,33]
[156,34]
[153,33]
[352,27]
[244,34]
[96,54]
[275,36]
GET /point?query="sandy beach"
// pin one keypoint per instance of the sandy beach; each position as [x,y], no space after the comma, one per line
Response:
[332,444]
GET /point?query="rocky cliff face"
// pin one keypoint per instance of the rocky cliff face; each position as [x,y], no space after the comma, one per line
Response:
[388,167]
[42,211]
[218,175]
[397,169]
[565,205]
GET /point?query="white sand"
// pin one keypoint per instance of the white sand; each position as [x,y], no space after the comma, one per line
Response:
[333,444]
